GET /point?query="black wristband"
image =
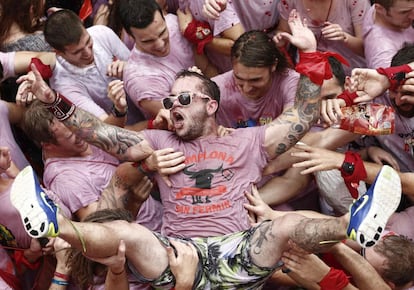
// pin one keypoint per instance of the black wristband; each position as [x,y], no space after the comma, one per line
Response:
[117,113]
[347,168]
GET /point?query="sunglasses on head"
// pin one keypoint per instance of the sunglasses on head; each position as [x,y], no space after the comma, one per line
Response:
[184,99]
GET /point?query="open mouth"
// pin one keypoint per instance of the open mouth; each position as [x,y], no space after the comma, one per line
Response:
[178,120]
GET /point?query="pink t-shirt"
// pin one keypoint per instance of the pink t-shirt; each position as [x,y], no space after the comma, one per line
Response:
[402,222]
[228,18]
[79,181]
[7,138]
[206,198]
[7,61]
[346,13]
[238,111]
[149,77]
[381,43]
[87,87]
[257,15]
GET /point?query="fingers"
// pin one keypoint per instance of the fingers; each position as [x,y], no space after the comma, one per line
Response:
[169,162]
[212,9]
[333,31]
[116,68]
[143,189]
[331,111]
[101,16]
[5,158]
[25,99]
[184,258]
[117,94]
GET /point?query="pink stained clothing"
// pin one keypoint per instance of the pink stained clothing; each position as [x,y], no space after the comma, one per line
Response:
[257,15]
[7,138]
[206,198]
[380,54]
[10,219]
[228,18]
[87,87]
[238,111]
[79,181]
[7,60]
[401,143]
[346,13]
[402,222]
[148,77]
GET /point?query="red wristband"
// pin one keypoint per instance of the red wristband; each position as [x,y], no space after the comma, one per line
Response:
[150,124]
[62,276]
[198,33]
[44,70]
[315,65]
[395,74]
[352,180]
[61,108]
[142,167]
[348,97]
[335,279]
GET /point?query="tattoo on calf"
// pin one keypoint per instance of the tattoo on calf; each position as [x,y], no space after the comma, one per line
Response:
[311,232]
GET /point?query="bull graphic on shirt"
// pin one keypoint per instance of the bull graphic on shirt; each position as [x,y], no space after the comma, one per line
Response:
[202,188]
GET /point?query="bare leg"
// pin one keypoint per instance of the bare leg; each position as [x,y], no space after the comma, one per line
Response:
[102,240]
[271,238]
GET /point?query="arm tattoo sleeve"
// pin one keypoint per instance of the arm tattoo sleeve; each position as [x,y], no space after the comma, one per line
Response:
[112,139]
[301,116]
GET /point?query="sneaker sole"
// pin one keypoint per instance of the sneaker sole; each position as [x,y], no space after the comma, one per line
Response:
[386,198]
[28,202]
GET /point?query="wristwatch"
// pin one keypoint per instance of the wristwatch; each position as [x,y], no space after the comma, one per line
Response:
[117,113]
[348,167]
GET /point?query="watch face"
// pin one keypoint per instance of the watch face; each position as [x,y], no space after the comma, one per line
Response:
[348,167]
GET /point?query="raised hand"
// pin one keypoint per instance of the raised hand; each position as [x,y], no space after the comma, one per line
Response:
[212,8]
[368,84]
[6,164]
[116,68]
[117,95]
[302,37]
[34,83]
[317,159]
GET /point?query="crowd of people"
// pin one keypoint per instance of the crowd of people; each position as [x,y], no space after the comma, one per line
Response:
[206,144]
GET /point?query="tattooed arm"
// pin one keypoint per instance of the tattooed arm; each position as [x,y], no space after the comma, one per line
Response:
[294,122]
[122,143]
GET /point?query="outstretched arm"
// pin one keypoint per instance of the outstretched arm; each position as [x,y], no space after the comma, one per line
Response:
[22,60]
[294,122]
[124,144]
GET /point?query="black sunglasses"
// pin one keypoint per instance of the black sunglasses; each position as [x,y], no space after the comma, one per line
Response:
[184,99]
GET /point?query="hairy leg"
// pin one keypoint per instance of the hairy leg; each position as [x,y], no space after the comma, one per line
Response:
[102,240]
[270,239]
